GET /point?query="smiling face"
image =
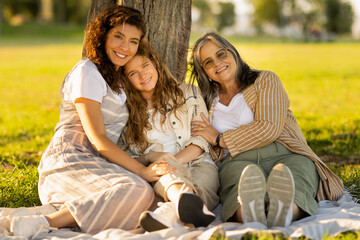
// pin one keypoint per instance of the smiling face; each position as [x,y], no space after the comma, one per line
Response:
[222,71]
[122,43]
[142,74]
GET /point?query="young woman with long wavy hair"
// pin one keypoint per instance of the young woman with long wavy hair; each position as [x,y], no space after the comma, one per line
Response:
[160,112]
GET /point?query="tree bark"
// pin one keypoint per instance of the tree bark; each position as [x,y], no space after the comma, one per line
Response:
[97,6]
[168,24]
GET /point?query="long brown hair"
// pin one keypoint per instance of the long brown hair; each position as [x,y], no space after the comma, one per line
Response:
[96,34]
[245,76]
[167,98]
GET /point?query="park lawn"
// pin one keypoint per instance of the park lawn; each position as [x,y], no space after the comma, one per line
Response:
[322,81]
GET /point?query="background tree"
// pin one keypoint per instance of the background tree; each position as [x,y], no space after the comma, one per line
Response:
[309,16]
[339,16]
[206,15]
[28,9]
[168,28]
[214,14]
[62,11]
[46,13]
[1,17]
[70,11]
[266,12]
[226,16]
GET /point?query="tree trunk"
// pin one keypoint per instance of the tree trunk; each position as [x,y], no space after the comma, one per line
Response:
[168,25]
[46,13]
[97,6]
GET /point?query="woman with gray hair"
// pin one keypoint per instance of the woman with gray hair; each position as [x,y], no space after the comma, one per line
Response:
[267,172]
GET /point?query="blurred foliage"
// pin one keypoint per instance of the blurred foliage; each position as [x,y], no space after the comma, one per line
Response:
[206,14]
[340,16]
[226,17]
[309,16]
[266,11]
[215,14]
[17,12]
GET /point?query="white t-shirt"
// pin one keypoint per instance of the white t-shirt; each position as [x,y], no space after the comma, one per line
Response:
[163,135]
[87,82]
[234,115]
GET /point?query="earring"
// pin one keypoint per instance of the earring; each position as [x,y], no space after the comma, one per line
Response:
[210,80]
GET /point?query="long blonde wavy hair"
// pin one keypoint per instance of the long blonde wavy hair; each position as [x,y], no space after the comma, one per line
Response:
[167,98]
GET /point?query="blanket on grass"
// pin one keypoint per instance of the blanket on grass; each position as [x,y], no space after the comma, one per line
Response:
[332,219]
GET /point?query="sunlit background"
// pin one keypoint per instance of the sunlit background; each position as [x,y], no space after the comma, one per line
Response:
[313,45]
[303,20]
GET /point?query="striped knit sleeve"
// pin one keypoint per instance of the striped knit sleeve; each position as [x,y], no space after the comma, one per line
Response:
[195,106]
[270,110]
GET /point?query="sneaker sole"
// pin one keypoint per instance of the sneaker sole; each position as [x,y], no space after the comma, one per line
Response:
[150,224]
[251,194]
[281,191]
[190,210]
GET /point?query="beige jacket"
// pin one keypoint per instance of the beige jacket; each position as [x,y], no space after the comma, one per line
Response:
[274,121]
[191,110]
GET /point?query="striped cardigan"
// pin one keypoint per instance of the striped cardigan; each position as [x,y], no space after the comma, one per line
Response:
[274,121]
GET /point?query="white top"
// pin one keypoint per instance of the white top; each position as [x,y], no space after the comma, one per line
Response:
[84,80]
[88,84]
[234,115]
[178,129]
[164,135]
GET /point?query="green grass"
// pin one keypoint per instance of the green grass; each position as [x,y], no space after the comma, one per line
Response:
[322,81]
[39,34]
[31,71]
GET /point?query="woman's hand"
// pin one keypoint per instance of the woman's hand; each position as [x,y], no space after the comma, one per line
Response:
[204,129]
[154,156]
[155,170]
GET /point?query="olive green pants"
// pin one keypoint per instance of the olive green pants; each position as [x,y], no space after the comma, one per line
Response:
[303,169]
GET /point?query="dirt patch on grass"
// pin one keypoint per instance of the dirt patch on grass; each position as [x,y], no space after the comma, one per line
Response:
[341,161]
[5,165]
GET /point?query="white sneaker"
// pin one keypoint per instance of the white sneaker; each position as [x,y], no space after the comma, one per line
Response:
[28,226]
[251,194]
[163,217]
[191,209]
[281,190]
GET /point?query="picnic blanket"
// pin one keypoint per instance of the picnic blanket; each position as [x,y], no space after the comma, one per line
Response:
[333,217]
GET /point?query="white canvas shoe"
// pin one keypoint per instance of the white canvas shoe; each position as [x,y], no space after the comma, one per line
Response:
[191,209]
[163,217]
[251,194]
[28,226]
[281,190]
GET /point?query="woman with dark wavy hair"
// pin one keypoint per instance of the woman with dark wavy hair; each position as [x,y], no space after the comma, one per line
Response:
[267,172]
[83,173]
[160,112]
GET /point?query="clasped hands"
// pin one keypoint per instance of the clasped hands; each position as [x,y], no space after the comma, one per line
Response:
[157,165]
[156,162]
